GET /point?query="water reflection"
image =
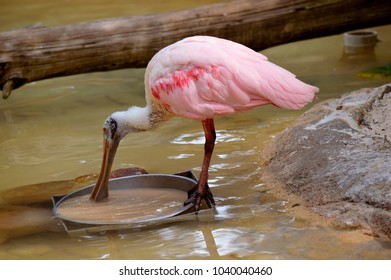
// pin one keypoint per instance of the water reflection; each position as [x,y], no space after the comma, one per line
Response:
[181,156]
[272,237]
[243,228]
[199,138]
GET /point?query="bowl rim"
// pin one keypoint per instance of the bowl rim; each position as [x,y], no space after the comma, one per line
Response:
[185,176]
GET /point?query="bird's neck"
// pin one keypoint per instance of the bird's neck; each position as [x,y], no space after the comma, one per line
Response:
[141,118]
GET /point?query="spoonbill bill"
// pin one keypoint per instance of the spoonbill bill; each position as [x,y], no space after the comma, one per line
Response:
[200,78]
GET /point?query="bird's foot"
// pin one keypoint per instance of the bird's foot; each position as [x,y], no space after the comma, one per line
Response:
[199,193]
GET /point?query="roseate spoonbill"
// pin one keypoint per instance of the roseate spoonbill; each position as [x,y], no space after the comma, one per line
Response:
[199,78]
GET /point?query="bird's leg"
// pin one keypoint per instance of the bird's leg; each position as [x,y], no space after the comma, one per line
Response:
[201,190]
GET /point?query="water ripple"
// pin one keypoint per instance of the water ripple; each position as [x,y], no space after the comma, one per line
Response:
[198,138]
[181,156]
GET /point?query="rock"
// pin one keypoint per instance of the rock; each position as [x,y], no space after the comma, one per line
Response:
[127,172]
[335,160]
[36,194]
[26,210]
[41,194]
[17,221]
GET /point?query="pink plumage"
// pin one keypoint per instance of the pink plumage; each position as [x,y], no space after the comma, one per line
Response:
[203,77]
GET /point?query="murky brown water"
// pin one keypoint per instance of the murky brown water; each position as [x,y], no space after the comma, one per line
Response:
[123,206]
[51,130]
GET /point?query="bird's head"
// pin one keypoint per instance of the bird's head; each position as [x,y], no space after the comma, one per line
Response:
[114,129]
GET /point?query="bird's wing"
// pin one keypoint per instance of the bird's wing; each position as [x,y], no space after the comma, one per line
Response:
[201,77]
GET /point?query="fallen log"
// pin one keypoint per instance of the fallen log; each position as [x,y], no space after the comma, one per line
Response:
[32,54]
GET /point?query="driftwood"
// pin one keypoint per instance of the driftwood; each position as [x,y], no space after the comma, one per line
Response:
[37,53]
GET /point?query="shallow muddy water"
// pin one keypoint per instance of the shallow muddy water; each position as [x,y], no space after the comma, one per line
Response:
[123,206]
[51,131]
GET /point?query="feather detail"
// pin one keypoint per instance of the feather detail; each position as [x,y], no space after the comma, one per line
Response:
[202,77]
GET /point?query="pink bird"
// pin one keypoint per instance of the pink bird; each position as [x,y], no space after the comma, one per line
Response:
[201,78]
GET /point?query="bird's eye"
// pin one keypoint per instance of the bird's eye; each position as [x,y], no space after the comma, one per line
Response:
[113,127]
